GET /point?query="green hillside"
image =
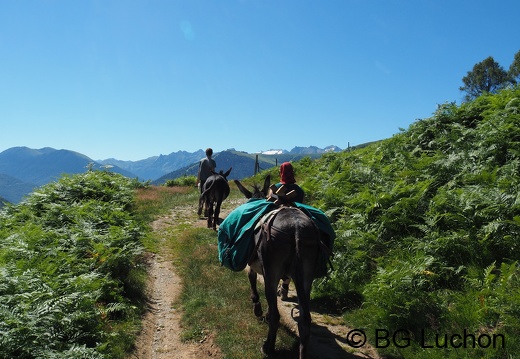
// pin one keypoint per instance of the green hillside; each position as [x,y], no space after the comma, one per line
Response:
[428,226]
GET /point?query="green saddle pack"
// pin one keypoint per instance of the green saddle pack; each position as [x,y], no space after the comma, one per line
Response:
[236,233]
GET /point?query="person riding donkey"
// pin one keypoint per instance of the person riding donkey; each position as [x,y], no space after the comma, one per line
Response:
[288,184]
[287,180]
[237,229]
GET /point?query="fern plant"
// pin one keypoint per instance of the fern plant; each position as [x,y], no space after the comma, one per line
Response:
[67,254]
[417,215]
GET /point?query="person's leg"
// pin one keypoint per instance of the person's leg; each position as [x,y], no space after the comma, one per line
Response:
[205,203]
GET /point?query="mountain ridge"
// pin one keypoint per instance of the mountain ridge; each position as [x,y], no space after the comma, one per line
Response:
[22,169]
[163,167]
[243,164]
[156,166]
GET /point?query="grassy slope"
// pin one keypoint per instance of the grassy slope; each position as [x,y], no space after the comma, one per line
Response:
[428,225]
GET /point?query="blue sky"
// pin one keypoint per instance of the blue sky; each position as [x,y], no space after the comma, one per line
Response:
[134,79]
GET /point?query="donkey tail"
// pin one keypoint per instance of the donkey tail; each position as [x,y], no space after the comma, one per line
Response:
[207,190]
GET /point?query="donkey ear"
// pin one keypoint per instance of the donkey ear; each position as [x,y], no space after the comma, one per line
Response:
[244,190]
[267,183]
[228,172]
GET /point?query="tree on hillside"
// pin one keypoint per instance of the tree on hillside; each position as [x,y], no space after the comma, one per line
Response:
[514,69]
[486,77]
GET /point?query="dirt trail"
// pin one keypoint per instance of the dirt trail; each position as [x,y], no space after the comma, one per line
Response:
[159,338]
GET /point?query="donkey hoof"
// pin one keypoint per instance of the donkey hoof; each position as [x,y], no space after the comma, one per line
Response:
[257,307]
[267,350]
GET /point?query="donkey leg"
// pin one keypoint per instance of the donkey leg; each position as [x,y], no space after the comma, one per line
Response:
[273,315]
[303,290]
[210,212]
[201,204]
[303,277]
[255,298]
[217,213]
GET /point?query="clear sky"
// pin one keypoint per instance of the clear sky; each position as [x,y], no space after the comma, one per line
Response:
[133,79]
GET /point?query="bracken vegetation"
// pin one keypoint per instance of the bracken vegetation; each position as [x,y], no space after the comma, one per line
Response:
[71,283]
[428,226]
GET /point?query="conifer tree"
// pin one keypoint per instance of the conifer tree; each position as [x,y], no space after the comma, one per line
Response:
[514,69]
[486,77]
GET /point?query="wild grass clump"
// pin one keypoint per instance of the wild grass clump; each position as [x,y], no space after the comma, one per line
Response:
[428,224]
[71,279]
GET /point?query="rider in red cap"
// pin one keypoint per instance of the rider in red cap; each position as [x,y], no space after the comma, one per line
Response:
[287,180]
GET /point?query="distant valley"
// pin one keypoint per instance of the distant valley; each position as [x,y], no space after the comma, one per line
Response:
[23,169]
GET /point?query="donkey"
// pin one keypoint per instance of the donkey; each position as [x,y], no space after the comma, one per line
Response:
[287,245]
[215,190]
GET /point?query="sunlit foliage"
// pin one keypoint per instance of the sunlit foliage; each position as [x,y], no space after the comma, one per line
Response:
[70,276]
[428,224]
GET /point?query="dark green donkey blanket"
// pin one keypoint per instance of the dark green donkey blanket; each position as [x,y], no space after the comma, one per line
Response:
[236,233]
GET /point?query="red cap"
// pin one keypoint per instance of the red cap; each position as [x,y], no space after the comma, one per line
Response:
[286,173]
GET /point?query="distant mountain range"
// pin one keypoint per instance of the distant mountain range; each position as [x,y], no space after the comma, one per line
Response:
[165,167]
[243,163]
[154,167]
[23,169]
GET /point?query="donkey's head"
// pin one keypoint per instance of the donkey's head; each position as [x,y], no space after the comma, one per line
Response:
[257,191]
